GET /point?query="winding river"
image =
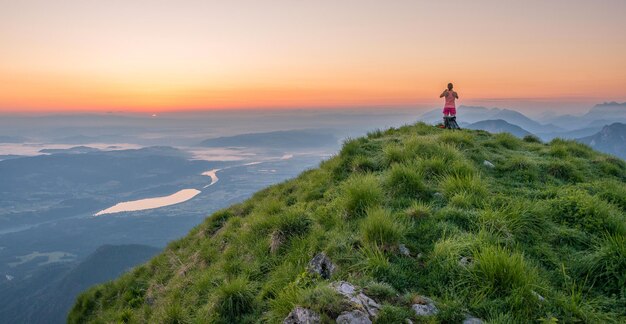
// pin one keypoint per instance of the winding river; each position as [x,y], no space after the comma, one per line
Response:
[151,203]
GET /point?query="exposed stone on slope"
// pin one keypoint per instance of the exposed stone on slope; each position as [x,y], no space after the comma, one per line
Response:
[353,317]
[465,261]
[322,265]
[356,297]
[488,164]
[404,250]
[302,315]
[472,320]
[425,307]
[541,298]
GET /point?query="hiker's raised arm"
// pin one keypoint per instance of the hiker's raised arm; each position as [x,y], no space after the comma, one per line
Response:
[443,94]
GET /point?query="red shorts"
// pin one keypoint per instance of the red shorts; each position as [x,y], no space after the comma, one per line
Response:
[449,111]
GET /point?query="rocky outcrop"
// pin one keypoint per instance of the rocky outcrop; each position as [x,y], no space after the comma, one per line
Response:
[425,307]
[404,250]
[488,164]
[357,298]
[472,320]
[321,265]
[353,317]
[302,315]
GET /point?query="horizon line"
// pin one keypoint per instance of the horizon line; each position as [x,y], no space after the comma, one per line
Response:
[415,105]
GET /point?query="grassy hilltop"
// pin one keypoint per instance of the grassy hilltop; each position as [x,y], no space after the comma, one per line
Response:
[538,236]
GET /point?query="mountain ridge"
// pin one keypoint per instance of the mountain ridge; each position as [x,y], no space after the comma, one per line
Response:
[610,139]
[499,126]
[415,223]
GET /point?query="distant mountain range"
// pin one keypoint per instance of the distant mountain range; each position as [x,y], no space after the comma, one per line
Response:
[47,296]
[72,150]
[598,116]
[611,139]
[607,109]
[499,126]
[12,139]
[472,114]
[291,139]
[603,127]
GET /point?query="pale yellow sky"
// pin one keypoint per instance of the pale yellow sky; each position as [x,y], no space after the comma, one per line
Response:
[160,55]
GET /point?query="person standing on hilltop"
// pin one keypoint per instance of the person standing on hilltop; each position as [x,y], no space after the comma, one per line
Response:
[449,109]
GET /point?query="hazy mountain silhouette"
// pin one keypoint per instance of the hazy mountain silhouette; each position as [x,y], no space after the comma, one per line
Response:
[291,139]
[611,139]
[72,150]
[607,109]
[598,116]
[499,126]
[12,139]
[47,296]
[473,114]
[572,134]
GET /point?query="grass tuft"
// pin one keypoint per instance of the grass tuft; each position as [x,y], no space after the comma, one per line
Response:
[531,139]
[406,181]
[507,140]
[563,170]
[361,193]
[234,299]
[382,229]
[465,190]
[607,264]
[419,210]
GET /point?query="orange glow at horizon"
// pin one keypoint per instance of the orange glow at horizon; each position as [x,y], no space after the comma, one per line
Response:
[160,55]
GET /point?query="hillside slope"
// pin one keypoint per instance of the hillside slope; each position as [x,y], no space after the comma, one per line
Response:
[416,220]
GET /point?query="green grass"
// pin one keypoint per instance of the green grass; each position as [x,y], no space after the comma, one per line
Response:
[233,299]
[382,229]
[606,265]
[549,220]
[360,193]
[406,181]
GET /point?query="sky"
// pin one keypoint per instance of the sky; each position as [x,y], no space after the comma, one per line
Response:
[157,55]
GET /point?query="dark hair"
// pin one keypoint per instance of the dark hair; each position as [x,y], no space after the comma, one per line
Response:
[450,86]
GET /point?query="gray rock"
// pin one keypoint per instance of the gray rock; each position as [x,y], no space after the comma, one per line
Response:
[472,320]
[541,298]
[404,250]
[322,265]
[302,316]
[488,164]
[408,321]
[426,308]
[465,261]
[356,297]
[353,317]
